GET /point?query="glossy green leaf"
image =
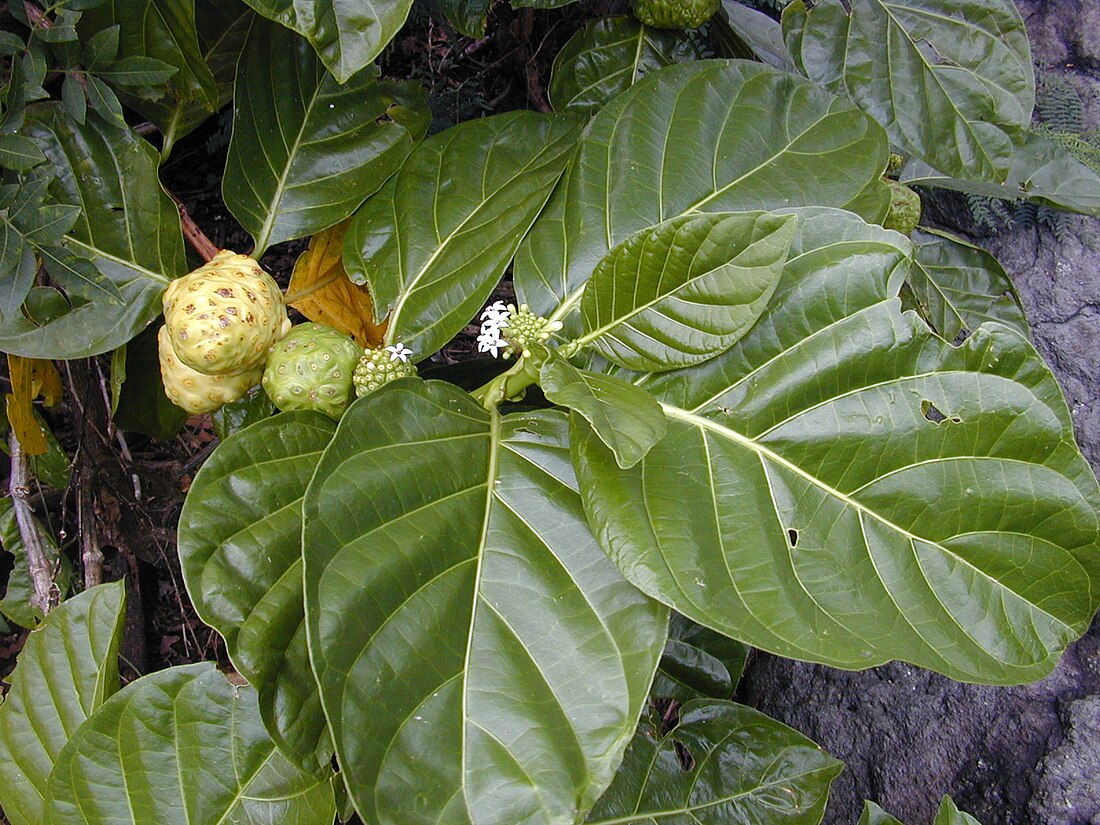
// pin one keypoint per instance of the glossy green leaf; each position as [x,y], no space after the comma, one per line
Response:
[18,268]
[181,746]
[482,183]
[608,56]
[874,815]
[240,548]
[67,669]
[698,663]
[30,225]
[769,140]
[155,36]
[222,28]
[468,16]
[685,290]
[347,36]
[306,151]
[950,80]
[723,763]
[250,408]
[128,228]
[948,814]
[19,153]
[845,487]
[625,418]
[442,543]
[755,31]
[959,286]
[1039,171]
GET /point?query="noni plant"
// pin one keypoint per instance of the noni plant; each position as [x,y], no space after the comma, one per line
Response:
[722,402]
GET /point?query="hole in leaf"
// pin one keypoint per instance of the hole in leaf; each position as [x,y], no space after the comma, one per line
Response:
[792,536]
[929,411]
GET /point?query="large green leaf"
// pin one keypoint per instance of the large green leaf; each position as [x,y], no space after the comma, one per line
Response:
[685,290]
[182,746]
[435,240]
[468,16]
[959,286]
[67,669]
[722,763]
[769,140]
[480,659]
[164,30]
[845,487]
[874,815]
[306,151]
[627,419]
[347,36]
[950,80]
[128,229]
[608,56]
[698,663]
[240,547]
[1040,171]
[222,28]
[743,27]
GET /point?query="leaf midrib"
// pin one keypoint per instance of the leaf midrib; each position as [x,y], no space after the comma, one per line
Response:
[491,477]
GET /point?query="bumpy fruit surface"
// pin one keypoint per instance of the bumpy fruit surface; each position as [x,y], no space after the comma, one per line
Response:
[905,208]
[223,317]
[378,367]
[675,14]
[194,391]
[311,369]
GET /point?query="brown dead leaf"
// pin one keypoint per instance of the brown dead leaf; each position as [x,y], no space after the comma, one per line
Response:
[31,378]
[321,291]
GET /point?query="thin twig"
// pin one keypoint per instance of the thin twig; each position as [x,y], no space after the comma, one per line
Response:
[91,556]
[206,248]
[123,447]
[45,591]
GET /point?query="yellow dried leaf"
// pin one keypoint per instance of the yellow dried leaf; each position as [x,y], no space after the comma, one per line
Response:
[321,291]
[30,378]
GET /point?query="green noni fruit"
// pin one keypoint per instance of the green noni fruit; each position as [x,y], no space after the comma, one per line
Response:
[905,208]
[675,14]
[311,369]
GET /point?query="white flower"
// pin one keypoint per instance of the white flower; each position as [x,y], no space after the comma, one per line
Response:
[495,316]
[399,352]
[489,341]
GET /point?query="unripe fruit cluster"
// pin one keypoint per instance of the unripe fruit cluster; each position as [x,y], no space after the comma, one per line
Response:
[377,368]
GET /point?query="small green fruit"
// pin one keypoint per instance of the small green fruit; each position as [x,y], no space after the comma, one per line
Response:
[194,391]
[905,208]
[222,317]
[378,367]
[675,14]
[311,369]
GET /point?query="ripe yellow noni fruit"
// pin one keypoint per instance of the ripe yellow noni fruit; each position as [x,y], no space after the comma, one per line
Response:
[223,317]
[195,392]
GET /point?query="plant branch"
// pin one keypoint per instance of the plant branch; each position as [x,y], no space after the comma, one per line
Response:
[508,386]
[206,248]
[41,571]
